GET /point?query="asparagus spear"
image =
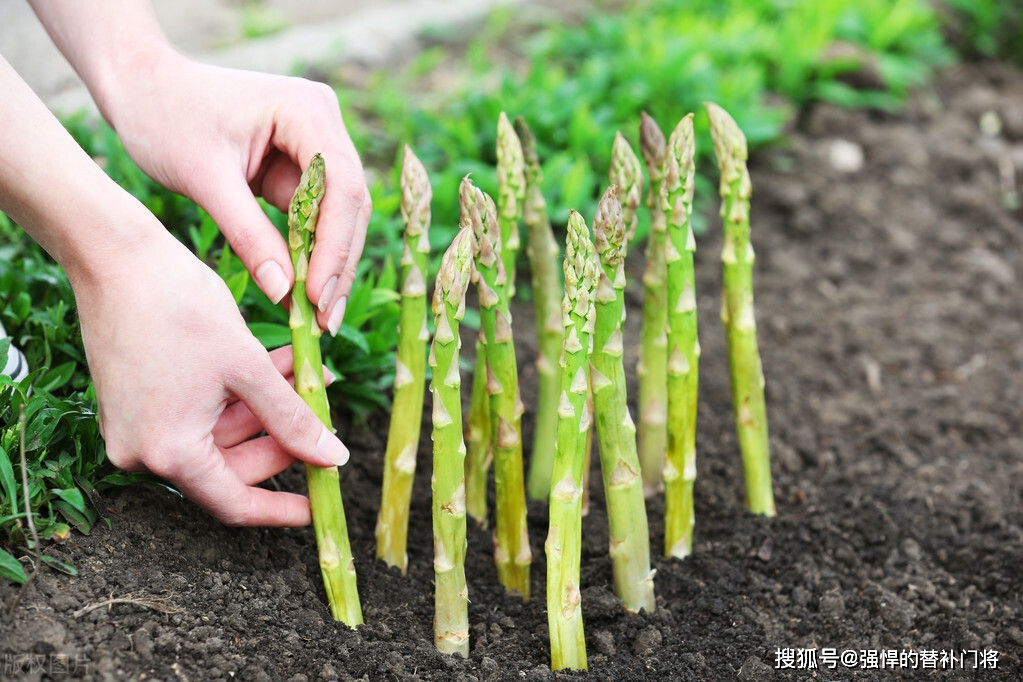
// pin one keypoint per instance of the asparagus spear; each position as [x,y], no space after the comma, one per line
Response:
[627,175]
[336,562]
[451,619]
[616,433]
[511,538]
[737,311]
[477,438]
[564,539]
[683,342]
[511,195]
[410,374]
[544,254]
[511,191]
[653,355]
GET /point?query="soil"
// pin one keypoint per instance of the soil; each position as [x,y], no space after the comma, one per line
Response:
[891,329]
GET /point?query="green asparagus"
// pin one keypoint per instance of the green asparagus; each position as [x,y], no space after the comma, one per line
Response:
[627,175]
[564,539]
[512,554]
[544,254]
[653,356]
[616,433]
[511,195]
[479,454]
[737,313]
[410,372]
[451,618]
[336,562]
[683,342]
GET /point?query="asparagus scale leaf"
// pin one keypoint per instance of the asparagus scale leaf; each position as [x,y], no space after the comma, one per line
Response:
[544,256]
[628,532]
[336,562]
[683,342]
[512,554]
[410,367]
[451,598]
[564,538]
[652,369]
[747,377]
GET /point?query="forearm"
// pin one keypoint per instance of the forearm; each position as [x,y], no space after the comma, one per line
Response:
[106,41]
[50,187]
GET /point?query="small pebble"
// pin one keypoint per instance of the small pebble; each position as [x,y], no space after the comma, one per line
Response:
[845,156]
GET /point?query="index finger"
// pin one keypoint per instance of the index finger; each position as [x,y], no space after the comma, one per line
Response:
[317,127]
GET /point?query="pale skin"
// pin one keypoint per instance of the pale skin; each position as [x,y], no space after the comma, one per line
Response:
[182,385]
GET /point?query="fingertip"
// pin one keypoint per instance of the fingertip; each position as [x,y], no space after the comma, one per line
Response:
[327,293]
[272,281]
[337,316]
[331,450]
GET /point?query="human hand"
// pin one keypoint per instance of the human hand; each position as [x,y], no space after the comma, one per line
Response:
[183,386]
[223,137]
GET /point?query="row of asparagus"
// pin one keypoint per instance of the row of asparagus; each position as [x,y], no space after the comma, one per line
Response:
[582,386]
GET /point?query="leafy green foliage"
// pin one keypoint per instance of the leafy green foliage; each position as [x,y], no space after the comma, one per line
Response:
[576,84]
[986,28]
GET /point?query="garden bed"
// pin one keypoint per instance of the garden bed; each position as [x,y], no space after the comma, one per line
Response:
[891,328]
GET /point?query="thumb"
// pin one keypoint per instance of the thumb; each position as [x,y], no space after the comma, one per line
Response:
[287,418]
[251,235]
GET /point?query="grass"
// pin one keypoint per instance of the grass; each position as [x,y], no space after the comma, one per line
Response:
[576,83]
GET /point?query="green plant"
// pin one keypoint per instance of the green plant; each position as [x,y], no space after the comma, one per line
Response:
[628,533]
[512,554]
[410,368]
[66,470]
[985,28]
[653,355]
[564,538]
[683,342]
[451,622]
[336,562]
[544,253]
[747,376]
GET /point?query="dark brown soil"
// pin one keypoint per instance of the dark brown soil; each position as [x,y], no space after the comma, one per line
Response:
[891,328]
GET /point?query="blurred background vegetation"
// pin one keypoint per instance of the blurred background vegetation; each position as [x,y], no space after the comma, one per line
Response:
[576,77]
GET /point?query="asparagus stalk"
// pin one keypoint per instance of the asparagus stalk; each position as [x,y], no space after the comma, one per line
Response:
[451,598]
[616,433]
[653,354]
[410,374]
[336,562]
[511,538]
[737,311]
[683,342]
[477,438]
[564,539]
[511,195]
[627,175]
[544,254]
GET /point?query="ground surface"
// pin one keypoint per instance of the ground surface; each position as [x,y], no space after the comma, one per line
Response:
[891,327]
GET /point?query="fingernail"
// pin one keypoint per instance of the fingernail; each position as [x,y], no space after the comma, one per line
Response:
[327,293]
[337,315]
[331,449]
[271,279]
